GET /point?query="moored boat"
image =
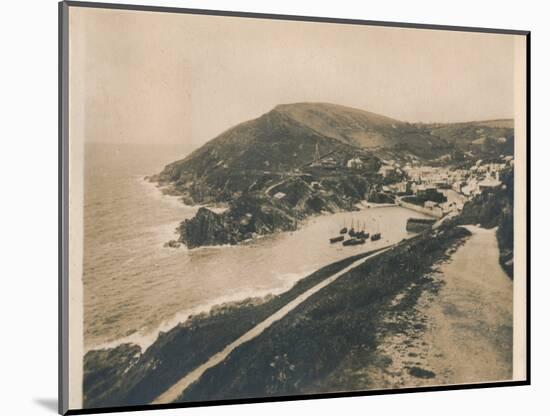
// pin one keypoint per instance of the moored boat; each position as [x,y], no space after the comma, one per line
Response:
[352,232]
[353,241]
[336,239]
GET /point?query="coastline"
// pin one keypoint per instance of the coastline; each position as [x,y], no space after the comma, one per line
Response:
[212,331]
[339,339]
[124,372]
[381,303]
[145,339]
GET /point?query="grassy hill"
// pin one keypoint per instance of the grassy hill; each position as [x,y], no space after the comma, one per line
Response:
[492,137]
[249,164]
[285,139]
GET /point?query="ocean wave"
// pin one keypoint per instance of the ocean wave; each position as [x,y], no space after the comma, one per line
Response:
[144,339]
[156,191]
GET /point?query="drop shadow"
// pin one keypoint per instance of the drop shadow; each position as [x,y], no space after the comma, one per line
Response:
[48,404]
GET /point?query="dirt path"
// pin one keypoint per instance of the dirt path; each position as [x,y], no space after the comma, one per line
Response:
[177,389]
[465,330]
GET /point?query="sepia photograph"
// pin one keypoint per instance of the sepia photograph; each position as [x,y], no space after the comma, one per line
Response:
[263,208]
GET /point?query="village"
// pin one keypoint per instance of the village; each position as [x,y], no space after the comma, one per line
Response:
[441,190]
[431,189]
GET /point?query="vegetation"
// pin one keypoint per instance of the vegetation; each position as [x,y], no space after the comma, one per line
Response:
[325,326]
[483,138]
[125,376]
[314,346]
[495,208]
[263,168]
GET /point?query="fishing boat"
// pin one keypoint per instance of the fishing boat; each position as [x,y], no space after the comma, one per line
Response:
[362,233]
[351,231]
[353,241]
[376,235]
[344,229]
[336,239]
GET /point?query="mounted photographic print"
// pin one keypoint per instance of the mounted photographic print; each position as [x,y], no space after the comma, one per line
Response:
[264,207]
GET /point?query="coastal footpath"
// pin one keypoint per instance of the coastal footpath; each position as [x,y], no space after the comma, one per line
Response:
[127,375]
[334,321]
[462,332]
[422,325]
[329,342]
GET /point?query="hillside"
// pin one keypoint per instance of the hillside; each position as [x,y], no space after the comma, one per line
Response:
[263,168]
[492,137]
[285,139]
[273,142]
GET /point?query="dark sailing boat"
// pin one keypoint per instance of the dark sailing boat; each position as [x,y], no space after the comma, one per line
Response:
[344,230]
[377,235]
[362,233]
[336,239]
[352,232]
[354,241]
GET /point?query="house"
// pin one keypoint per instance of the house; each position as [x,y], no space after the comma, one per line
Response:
[471,188]
[355,163]
[387,171]
[328,162]
[457,186]
[489,183]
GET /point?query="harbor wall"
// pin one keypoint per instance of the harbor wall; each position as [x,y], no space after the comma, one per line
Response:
[435,213]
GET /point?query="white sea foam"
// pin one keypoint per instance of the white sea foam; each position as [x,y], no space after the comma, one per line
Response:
[144,339]
[132,282]
[157,193]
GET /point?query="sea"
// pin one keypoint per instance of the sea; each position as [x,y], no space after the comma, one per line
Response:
[135,288]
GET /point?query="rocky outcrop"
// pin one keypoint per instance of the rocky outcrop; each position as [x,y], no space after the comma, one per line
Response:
[172,244]
[281,208]
[207,228]
[103,371]
[495,208]
[245,219]
[380,198]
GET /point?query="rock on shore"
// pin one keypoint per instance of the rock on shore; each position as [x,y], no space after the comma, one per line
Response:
[245,219]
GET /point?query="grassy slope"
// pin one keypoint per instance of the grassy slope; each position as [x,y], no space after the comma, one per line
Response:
[495,208]
[121,376]
[317,337]
[301,353]
[462,135]
[285,139]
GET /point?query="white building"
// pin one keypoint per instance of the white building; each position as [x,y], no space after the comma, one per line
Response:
[386,171]
[355,163]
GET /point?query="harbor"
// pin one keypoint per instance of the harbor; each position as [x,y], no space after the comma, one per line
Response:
[170,283]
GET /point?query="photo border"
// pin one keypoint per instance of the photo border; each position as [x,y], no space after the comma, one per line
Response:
[63,205]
